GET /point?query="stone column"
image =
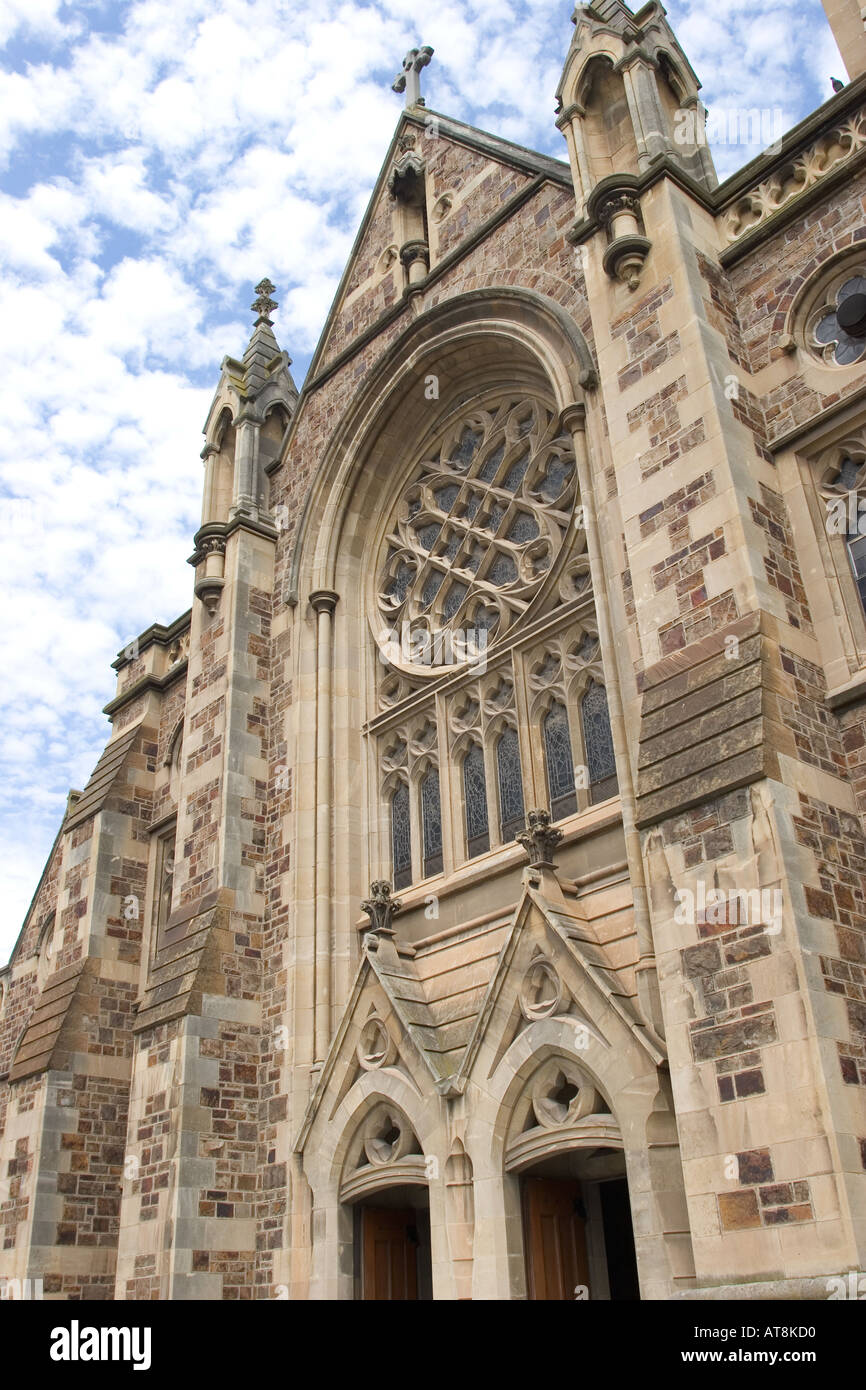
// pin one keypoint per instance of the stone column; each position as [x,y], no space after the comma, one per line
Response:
[324,602]
[246,489]
[574,420]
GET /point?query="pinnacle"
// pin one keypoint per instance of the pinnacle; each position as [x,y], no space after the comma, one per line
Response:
[263,346]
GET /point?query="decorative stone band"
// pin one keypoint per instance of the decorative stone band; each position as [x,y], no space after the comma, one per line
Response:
[713,719]
[795,176]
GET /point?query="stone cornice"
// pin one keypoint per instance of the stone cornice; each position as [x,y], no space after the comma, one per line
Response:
[155,634]
[143,686]
[222,530]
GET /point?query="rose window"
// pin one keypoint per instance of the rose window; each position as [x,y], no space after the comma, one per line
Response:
[478,527]
[839,326]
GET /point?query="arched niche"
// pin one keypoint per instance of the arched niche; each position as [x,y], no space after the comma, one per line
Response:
[609,137]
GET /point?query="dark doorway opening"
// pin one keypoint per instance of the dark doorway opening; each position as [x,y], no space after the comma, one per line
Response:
[619,1240]
[577,1229]
[392,1248]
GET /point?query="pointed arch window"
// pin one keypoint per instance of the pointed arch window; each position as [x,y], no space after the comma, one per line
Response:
[598,742]
[431,823]
[401,837]
[511,815]
[475,801]
[560,763]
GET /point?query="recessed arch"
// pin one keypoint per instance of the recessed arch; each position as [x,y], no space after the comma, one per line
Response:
[492,325]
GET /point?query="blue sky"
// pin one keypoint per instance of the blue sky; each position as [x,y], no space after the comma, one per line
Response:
[157,158]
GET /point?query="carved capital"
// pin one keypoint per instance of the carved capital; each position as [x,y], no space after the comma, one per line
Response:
[539,839]
[615,204]
[324,601]
[381,908]
[574,418]
[414,251]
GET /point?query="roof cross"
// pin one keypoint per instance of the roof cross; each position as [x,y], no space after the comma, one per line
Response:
[409,80]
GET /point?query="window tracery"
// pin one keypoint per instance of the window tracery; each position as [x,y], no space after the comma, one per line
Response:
[842,488]
[475,801]
[481,521]
[832,320]
[477,528]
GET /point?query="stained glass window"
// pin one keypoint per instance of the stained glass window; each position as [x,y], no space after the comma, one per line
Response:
[560,764]
[559,471]
[502,571]
[516,473]
[496,450]
[598,741]
[456,595]
[432,585]
[399,587]
[511,815]
[427,534]
[475,797]
[401,841]
[431,822]
[446,497]
[491,464]
[469,442]
[524,528]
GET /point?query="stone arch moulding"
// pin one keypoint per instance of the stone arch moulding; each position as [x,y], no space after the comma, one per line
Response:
[325,1145]
[629,1078]
[530,324]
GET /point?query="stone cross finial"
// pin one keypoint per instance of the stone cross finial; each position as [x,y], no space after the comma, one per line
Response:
[264,305]
[381,908]
[539,840]
[409,80]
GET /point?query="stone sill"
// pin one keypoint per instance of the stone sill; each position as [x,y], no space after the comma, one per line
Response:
[847,694]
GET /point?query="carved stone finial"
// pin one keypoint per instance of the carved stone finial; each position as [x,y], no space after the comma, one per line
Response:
[381,908]
[539,839]
[409,80]
[264,305]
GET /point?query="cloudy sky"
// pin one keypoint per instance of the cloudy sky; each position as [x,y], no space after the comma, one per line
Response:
[157,158]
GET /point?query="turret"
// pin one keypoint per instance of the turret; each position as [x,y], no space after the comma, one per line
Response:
[628,101]
[244,432]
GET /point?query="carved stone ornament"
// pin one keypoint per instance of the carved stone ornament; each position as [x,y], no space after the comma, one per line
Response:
[381,908]
[406,180]
[376,1047]
[539,839]
[615,205]
[541,992]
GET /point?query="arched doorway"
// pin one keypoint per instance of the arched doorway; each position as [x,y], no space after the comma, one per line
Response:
[565,1151]
[577,1231]
[391,1245]
[385,1186]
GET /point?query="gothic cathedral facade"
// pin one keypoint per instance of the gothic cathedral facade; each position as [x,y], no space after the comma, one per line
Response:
[470,900]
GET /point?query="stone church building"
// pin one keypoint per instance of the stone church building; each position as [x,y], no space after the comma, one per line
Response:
[469,900]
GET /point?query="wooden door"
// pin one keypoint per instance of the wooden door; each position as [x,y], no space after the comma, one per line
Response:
[554,1233]
[390,1267]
